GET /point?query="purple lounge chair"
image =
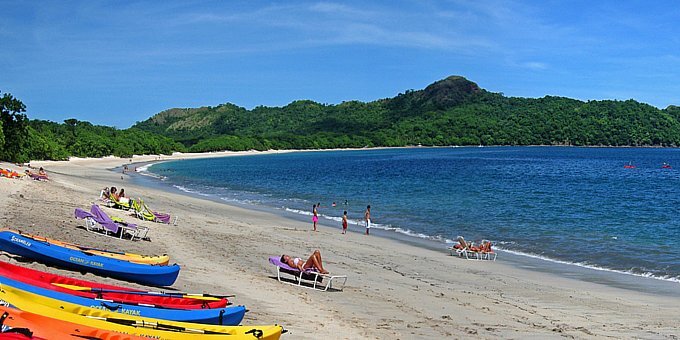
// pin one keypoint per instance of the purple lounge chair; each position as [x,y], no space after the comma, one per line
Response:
[311,276]
[38,177]
[98,221]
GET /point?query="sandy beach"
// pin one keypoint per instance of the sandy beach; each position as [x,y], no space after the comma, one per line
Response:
[394,290]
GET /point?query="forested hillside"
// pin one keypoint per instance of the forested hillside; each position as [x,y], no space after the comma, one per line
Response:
[453,111]
[22,140]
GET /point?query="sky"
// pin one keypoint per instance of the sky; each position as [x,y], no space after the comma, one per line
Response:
[118,62]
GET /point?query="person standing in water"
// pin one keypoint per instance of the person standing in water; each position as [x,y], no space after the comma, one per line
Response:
[315,218]
[367,218]
[344,222]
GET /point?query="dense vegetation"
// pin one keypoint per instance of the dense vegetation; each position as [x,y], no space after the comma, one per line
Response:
[23,139]
[453,111]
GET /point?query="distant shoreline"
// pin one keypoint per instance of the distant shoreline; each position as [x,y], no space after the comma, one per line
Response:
[226,153]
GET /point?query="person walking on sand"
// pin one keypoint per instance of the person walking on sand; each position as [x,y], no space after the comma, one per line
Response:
[344,222]
[315,217]
[367,218]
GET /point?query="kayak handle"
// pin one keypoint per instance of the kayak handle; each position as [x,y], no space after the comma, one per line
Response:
[110,306]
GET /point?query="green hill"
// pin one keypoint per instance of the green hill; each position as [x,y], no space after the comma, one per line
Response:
[452,111]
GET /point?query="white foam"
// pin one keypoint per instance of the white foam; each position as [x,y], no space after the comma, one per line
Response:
[411,233]
[300,212]
[594,267]
[374,225]
[195,192]
[143,168]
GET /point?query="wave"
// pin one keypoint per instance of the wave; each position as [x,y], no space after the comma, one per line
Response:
[144,171]
[501,245]
[360,223]
[191,191]
[649,275]
[447,241]
[222,198]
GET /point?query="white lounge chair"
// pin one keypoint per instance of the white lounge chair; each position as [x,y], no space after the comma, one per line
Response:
[464,250]
[312,278]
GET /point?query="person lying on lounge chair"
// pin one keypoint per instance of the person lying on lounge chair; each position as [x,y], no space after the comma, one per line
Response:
[314,261]
[462,244]
[9,173]
[122,198]
[113,194]
[485,247]
[37,177]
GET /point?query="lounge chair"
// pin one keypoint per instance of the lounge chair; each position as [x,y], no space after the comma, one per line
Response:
[98,221]
[10,173]
[464,249]
[311,276]
[38,177]
[486,252]
[121,203]
[143,212]
[104,197]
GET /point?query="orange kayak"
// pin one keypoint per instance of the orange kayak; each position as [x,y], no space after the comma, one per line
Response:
[42,327]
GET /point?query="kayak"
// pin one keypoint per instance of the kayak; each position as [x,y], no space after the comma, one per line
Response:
[130,324]
[17,324]
[132,257]
[52,254]
[122,294]
[219,316]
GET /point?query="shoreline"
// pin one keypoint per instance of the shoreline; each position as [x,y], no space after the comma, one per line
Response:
[394,290]
[584,272]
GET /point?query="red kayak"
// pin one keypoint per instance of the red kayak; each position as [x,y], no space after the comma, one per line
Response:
[109,292]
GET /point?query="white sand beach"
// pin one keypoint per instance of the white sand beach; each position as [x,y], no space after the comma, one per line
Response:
[394,290]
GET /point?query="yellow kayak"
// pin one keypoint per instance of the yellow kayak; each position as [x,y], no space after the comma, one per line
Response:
[130,257]
[130,324]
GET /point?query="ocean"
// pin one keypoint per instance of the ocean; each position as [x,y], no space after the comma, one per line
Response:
[575,206]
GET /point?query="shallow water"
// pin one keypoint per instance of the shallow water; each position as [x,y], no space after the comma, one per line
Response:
[577,206]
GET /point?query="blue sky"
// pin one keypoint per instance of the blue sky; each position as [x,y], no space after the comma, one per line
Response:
[115,63]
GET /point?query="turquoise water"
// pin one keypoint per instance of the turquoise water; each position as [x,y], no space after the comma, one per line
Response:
[573,205]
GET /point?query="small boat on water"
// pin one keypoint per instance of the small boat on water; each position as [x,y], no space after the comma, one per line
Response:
[666,166]
[629,166]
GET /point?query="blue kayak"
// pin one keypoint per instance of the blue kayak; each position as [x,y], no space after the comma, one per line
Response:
[154,275]
[229,316]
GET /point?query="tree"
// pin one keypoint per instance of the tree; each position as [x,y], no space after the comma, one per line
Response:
[14,129]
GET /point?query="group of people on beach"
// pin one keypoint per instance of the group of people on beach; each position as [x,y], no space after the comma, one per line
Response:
[115,195]
[367,217]
[41,175]
[314,261]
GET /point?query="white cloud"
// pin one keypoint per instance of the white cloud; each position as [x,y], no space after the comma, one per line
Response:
[534,65]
